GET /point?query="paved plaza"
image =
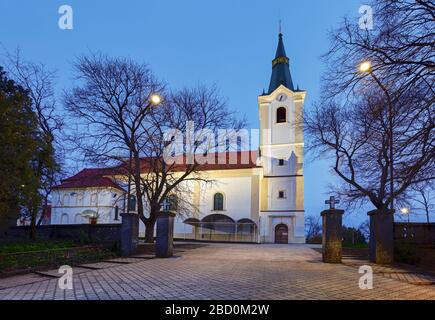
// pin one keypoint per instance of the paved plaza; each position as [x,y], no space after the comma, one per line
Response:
[216,271]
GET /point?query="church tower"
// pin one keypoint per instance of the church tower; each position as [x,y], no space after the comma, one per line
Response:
[281,155]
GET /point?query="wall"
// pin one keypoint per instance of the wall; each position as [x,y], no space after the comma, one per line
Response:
[99,233]
[68,204]
[416,233]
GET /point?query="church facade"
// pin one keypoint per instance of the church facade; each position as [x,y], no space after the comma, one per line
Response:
[258,200]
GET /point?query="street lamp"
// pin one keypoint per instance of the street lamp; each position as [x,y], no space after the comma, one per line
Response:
[405,210]
[155,99]
[366,67]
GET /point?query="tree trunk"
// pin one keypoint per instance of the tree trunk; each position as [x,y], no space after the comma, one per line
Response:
[33,224]
[149,232]
[150,223]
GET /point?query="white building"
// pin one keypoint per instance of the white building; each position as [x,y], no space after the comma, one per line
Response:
[259,201]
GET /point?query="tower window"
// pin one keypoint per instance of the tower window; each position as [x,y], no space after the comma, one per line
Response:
[281,162]
[281,194]
[218,202]
[281,115]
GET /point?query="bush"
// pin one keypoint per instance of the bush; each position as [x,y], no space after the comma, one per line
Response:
[317,239]
[406,253]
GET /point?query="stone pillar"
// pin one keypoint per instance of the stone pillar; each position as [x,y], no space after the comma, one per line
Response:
[331,235]
[381,236]
[129,233]
[165,234]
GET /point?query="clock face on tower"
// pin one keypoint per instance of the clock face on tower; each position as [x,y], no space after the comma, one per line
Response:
[281,97]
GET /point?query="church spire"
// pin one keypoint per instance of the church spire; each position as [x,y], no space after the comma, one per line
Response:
[280,69]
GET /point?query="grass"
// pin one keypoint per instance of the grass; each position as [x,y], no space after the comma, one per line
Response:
[29,246]
[27,255]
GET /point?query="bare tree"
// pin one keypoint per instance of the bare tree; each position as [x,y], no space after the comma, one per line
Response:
[117,125]
[352,123]
[200,107]
[313,228]
[108,108]
[39,82]
[422,196]
[364,228]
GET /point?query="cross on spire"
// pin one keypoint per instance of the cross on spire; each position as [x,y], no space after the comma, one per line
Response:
[332,202]
[280,30]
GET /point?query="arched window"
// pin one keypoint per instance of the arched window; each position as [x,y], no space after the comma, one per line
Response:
[218,202]
[173,202]
[94,199]
[73,199]
[65,201]
[78,219]
[64,219]
[281,115]
[132,203]
[80,199]
[218,222]
[170,203]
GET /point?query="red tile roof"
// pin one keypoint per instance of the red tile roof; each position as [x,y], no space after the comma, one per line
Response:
[98,177]
[89,178]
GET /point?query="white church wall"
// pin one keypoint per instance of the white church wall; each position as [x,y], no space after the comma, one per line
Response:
[237,197]
[67,204]
[286,185]
[300,227]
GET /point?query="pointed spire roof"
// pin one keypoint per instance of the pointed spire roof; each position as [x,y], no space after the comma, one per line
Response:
[280,50]
[280,69]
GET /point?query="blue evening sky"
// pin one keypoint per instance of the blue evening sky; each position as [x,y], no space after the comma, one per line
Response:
[229,43]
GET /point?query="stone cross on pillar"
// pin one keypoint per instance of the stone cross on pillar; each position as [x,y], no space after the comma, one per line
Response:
[332,202]
[331,233]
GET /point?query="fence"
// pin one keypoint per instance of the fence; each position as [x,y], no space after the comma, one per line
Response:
[220,231]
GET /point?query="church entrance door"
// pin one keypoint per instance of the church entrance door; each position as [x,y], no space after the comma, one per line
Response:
[281,233]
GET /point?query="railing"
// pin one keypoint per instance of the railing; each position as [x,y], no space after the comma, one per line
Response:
[221,231]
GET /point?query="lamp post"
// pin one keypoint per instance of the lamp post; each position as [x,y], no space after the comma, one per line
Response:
[154,100]
[366,67]
[405,210]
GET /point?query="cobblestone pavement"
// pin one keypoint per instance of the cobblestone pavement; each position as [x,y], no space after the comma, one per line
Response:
[217,271]
[405,273]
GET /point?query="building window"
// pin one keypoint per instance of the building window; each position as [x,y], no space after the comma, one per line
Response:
[281,115]
[170,203]
[94,199]
[65,201]
[64,219]
[78,219]
[132,203]
[80,199]
[281,194]
[281,162]
[218,202]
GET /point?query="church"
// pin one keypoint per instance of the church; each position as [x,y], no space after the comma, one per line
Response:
[259,201]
